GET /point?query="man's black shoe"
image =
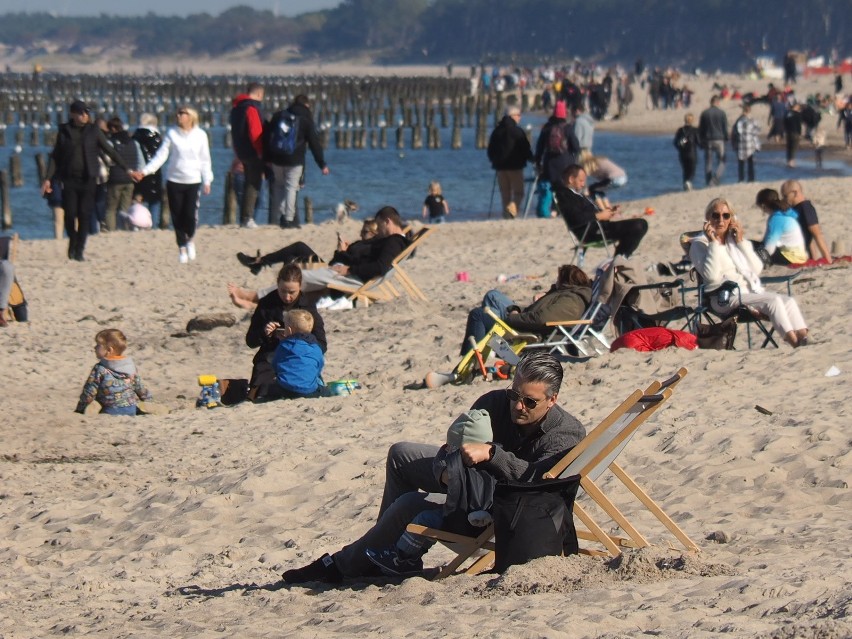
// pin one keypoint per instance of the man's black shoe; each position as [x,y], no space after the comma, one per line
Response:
[322,570]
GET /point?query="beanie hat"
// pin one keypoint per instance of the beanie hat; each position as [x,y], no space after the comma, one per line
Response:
[472,426]
[78,106]
[560,111]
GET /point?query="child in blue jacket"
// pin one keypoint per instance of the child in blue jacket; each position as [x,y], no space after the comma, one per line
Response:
[298,359]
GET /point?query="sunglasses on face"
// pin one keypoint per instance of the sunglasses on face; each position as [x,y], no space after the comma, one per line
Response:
[515,397]
[720,216]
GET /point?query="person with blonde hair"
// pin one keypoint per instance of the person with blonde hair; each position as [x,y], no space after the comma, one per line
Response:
[189,173]
[723,254]
[114,381]
[435,205]
[298,358]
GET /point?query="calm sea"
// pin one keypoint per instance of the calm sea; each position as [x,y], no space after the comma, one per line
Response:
[376,177]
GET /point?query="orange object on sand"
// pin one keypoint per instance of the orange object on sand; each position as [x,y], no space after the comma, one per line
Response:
[649,211]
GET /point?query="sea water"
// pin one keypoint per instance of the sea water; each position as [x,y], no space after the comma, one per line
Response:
[400,177]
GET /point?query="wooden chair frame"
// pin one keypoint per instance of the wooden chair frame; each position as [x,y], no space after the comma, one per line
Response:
[381,288]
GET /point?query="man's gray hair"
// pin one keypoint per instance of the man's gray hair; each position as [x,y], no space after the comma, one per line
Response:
[539,366]
[148,119]
[513,110]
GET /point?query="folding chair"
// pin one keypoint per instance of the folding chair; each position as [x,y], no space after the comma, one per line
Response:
[589,459]
[382,288]
[15,309]
[502,340]
[628,317]
[582,338]
[580,237]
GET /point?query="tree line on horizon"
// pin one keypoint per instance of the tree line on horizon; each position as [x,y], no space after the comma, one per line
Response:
[710,34]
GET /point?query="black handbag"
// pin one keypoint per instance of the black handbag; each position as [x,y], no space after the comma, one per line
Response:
[534,519]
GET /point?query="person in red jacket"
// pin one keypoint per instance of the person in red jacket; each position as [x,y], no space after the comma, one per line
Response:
[247,133]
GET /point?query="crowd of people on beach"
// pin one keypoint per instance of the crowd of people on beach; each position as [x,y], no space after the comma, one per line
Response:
[507,435]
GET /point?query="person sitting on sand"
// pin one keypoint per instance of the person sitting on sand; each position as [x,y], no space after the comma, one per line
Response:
[794,196]
[298,358]
[783,240]
[723,254]
[470,495]
[270,312]
[530,430]
[114,381]
[301,252]
[567,299]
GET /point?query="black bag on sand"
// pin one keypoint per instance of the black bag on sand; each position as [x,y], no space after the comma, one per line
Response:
[718,336]
[534,519]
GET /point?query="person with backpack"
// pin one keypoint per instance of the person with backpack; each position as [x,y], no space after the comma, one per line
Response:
[246,122]
[149,190]
[120,185]
[557,146]
[287,137]
[509,151]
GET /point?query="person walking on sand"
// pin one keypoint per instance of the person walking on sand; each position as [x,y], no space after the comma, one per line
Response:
[687,141]
[509,151]
[291,131]
[745,140]
[74,160]
[188,174]
[246,121]
[713,133]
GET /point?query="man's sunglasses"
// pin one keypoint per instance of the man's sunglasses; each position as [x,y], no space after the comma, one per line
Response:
[514,397]
[721,216]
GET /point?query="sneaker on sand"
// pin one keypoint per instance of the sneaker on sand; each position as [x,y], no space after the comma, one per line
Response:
[322,570]
[190,250]
[183,256]
[393,565]
[250,224]
[341,304]
[325,302]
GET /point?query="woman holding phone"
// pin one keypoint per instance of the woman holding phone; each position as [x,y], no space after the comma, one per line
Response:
[723,254]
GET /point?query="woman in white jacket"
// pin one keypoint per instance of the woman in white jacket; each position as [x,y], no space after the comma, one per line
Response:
[189,173]
[723,254]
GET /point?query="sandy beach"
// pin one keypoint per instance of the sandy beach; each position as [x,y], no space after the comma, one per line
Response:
[180,524]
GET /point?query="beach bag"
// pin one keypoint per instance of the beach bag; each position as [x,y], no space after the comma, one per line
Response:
[534,519]
[283,138]
[557,143]
[18,303]
[544,205]
[719,336]
[138,216]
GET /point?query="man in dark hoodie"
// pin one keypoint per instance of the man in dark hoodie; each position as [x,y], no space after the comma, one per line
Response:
[509,151]
[74,161]
[567,299]
[289,167]
[247,134]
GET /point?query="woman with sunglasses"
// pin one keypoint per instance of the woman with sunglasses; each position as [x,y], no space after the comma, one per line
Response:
[723,254]
[189,173]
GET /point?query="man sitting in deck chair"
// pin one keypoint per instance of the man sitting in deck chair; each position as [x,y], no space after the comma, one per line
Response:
[531,432]
[357,269]
[567,300]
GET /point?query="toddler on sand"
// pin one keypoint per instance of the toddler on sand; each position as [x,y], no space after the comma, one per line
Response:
[114,381]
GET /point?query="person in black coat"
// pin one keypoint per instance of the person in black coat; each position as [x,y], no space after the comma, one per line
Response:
[687,141]
[509,151]
[74,161]
[269,314]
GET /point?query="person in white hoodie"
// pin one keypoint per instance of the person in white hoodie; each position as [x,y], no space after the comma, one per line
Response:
[189,173]
[723,254]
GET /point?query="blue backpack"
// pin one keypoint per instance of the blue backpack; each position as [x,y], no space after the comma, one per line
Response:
[284,134]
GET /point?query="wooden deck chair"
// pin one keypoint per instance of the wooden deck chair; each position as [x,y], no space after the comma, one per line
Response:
[381,288]
[502,340]
[592,457]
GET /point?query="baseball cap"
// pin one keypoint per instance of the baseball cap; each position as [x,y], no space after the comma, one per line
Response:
[78,106]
